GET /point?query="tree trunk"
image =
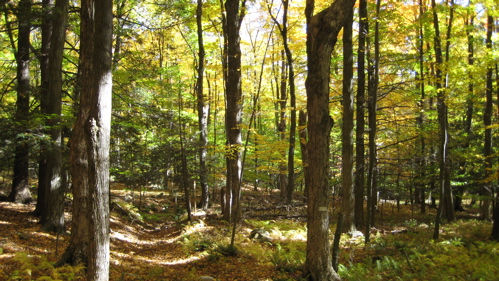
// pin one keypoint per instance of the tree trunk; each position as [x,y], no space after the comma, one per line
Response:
[486,189]
[234,106]
[322,32]
[46,30]
[54,195]
[372,105]
[289,180]
[360,106]
[89,159]
[302,123]
[347,130]
[445,205]
[203,113]
[186,183]
[281,126]
[292,95]
[20,192]
[422,115]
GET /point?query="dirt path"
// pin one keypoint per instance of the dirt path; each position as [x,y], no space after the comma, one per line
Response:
[137,253]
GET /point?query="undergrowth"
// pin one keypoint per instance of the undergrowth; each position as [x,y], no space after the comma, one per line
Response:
[463,253]
[40,269]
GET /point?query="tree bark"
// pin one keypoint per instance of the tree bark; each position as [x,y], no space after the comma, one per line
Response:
[54,195]
[486,189]
[347,149]
[322,32]
[203,112]
[422,116]
[445,205]
[292,96]
[282,91]
[89,155]
[302,124]
[372,105]
[360,107]
[233,117]
[46,31]
[20,192]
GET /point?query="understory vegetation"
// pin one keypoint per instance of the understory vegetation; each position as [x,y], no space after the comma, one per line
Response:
[152,240]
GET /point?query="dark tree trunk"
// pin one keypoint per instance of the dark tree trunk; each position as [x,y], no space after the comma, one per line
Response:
[20,192]
[46,30]
[360,106]
[347,129]
[89,155]
[288,74]
[54,195]
[302,123]
[292,95]
[233,116]
[468,120]
[446,205]
[281,126]
[422,116]
[186,183]
[203,113]
[322,32]
[495,225]
[486,191]
[372,105]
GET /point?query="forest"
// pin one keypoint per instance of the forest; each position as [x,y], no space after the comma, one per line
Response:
[249,140]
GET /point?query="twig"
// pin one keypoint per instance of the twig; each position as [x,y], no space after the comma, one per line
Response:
[408,260]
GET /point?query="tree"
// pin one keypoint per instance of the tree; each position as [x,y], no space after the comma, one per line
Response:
[487,120]
[360,121]
[20,192]
[46,31]
[53,215]
[288,65]
[372,107]
[203,112]
[89,152]
[422,116]
[234,14]
[445,205]
[322,32]
[347,149]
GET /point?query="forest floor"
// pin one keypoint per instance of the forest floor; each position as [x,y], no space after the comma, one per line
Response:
[151,240]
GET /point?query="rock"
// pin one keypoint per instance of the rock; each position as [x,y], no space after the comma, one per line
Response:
[356,234]
[260,235]
[206,278]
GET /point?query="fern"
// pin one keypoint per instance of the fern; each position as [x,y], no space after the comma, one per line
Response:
[29,269]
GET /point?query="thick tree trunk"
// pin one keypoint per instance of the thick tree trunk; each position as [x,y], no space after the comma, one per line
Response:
[20,192]
[322,32]
[89,160]
[347,129]
[54,195]
[203,113]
